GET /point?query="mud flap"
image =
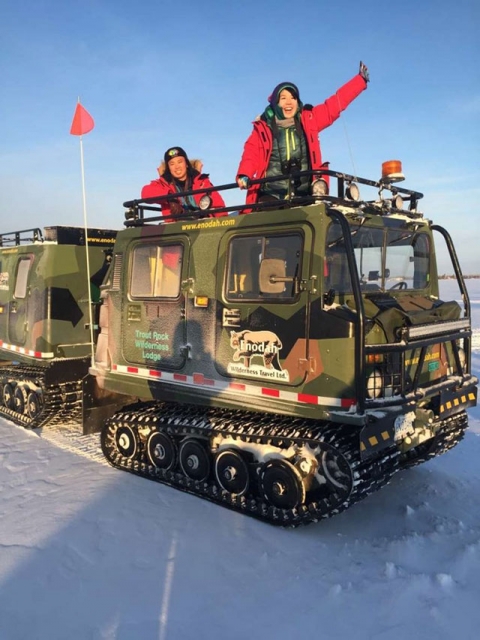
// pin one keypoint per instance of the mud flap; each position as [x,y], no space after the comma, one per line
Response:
[66,370]
[380,432]
[99,404]
[452,402]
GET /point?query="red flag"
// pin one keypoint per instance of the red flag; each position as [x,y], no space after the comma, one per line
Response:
[82,121]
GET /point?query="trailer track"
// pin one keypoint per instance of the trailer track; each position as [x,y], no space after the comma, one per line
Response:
[29,400]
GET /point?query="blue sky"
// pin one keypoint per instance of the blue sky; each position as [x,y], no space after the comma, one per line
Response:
[157,74]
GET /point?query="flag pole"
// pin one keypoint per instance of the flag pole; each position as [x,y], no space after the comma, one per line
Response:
[90,314]
[83,123]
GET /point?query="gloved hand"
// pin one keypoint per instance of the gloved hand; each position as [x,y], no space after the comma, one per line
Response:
[243,182]
[176,208]
[363,71]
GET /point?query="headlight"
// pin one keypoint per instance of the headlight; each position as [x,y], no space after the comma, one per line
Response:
[374,384]
[205,203]
[320,187]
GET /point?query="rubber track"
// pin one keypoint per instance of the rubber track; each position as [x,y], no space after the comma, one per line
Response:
[60,402]
[281,431]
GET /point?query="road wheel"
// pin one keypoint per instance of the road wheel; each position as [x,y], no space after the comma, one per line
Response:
[126,441]
[194,460]
[231,472]
[161,451]
[282,484]
[7,394]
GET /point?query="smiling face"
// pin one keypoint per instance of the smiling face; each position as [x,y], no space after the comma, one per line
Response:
[178,168]
[287,103]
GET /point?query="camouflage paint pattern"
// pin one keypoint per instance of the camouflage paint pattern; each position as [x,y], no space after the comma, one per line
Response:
[44,296]
[216,344]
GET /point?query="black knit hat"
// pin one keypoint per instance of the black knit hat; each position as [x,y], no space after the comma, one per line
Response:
[174,152]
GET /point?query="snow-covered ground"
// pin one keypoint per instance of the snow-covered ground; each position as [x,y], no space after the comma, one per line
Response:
[89,552]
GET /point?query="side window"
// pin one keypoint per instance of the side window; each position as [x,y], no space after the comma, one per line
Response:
[156,271]
[408,259]
[23,269]
[245,257]
[368,247]
[421,261]
[336,270]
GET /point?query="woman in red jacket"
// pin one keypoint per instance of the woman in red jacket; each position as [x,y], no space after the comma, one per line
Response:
[178,174]
[285,138]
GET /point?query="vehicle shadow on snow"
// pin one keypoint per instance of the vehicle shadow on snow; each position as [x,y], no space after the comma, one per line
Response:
[99,552]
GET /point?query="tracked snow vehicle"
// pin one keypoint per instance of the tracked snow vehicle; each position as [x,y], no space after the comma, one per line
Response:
[289,361]
[45,334]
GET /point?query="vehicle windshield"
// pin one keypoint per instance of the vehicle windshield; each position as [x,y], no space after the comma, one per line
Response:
[387,258]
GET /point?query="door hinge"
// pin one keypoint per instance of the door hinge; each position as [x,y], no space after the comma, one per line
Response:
[231,318]
[187,285]
[186,351]
[134,312]
[309,285]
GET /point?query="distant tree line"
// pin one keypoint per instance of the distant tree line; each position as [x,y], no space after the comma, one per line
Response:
[452,277]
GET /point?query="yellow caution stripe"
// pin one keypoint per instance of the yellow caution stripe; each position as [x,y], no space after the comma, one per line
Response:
[453,402]
[375,437]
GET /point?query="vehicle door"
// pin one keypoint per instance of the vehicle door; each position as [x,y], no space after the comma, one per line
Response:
[154,313]
[264,304]
[19,303]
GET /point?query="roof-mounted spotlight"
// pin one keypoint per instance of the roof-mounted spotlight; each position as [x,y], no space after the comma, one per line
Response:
[319,187]
[132,214]
[352,192]
[205,202]
[392,171]
[397,201]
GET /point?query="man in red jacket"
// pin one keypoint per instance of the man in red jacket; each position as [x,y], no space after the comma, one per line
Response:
[178,174]
[285,138]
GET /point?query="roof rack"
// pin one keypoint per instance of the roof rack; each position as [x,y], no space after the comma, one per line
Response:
[18,237]
[137,210]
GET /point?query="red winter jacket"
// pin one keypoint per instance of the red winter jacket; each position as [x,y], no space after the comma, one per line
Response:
[258,147]
[161,187]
